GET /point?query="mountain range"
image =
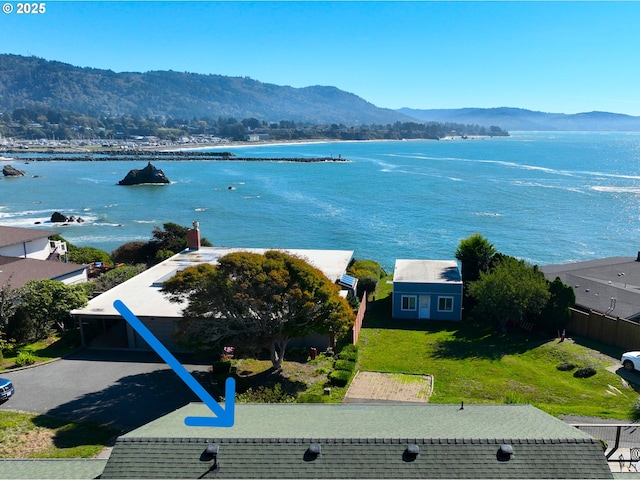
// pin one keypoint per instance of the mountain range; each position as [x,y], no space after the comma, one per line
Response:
[27,82]
[518,119]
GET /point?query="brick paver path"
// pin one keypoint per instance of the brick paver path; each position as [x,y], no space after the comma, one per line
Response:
[372,386]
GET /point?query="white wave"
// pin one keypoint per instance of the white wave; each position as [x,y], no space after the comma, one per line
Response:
[145,221]
[201,209]
[487,214]
[108,224]
[612,189]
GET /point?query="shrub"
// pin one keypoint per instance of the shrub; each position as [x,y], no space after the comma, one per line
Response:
[310,398]
[266,395]
[345,365]
[339,378]
[566,366]
[25,358]
[83,255]
[221,367]
[585,372]
[349,352]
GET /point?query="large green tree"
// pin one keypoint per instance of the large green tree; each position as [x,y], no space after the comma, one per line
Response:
[254,300]
[43,306]
[512,290]
[475,253]
[556,313]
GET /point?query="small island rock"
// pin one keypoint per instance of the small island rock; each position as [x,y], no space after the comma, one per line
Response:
[148,174]
[9,171]
[58,217]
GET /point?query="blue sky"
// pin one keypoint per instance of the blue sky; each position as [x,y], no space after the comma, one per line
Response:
[564,57]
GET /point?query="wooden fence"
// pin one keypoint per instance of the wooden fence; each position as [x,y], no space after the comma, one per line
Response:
[613,331]
[359,317]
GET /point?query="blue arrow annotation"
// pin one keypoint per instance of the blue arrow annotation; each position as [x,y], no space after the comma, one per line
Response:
[224,417]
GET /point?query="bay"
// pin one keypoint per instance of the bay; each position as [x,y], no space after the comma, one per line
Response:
[544,197]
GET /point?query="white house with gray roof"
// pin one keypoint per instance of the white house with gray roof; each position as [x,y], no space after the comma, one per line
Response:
[28,254]
[143,296]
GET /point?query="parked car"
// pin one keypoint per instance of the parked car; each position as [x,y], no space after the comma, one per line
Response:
[631,361]
[6,390]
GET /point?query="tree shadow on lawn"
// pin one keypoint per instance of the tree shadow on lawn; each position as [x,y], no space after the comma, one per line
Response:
[70,435]
[469,338]
[473,340]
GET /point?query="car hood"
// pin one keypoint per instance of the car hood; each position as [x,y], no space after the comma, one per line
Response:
[631,354]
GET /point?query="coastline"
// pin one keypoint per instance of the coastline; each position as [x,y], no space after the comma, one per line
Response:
[199,147]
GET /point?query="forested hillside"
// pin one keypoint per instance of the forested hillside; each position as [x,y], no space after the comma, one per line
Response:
[34,82]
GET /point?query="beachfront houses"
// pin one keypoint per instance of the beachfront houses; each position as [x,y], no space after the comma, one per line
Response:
[427,290]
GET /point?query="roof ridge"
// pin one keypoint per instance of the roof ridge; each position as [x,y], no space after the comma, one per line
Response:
[365,440]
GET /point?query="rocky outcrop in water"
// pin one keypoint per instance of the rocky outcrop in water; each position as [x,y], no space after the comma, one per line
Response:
[148,174]
[9,171]
[58,217]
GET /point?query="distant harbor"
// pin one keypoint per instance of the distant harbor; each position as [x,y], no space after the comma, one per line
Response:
[176,157]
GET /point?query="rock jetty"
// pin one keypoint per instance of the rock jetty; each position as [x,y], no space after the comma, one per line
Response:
[148,175]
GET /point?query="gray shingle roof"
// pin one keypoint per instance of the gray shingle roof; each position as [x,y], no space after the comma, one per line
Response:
[14,235]
[368,421]
[595,282]
[18,271]
[360,441]
[355,458]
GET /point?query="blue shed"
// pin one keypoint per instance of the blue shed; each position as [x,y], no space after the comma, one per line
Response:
[427,290]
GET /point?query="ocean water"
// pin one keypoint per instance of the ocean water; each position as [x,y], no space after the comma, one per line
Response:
[544,197]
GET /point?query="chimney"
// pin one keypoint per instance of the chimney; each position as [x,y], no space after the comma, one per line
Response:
[193,237]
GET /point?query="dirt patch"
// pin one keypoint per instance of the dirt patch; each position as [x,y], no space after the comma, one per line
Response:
[395,387]
[27,443]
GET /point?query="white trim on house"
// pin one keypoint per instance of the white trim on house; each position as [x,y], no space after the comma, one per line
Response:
[448,303]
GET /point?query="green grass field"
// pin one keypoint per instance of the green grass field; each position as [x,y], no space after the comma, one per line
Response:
[474,363]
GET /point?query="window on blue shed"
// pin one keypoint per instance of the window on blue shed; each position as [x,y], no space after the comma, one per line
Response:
[445,304]
[408,302]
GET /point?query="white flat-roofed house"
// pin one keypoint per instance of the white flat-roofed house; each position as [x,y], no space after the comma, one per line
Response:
[427,290]
[142,293]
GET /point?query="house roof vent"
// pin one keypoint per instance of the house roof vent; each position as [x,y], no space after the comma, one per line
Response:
[411,453]
[505,452]
[314,451]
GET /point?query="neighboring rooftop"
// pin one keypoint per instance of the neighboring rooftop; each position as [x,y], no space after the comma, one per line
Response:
[426,271]
[606,285]
[143,296]
[15,235]
[15,272]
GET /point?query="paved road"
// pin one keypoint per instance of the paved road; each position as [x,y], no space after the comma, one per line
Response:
[121,389]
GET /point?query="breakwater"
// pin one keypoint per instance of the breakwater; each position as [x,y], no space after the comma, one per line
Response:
[176,156]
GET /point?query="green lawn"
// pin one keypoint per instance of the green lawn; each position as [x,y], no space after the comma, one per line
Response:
[474,363]
[44,350]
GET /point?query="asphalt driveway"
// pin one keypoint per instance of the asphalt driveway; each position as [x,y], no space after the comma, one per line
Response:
[117,388]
